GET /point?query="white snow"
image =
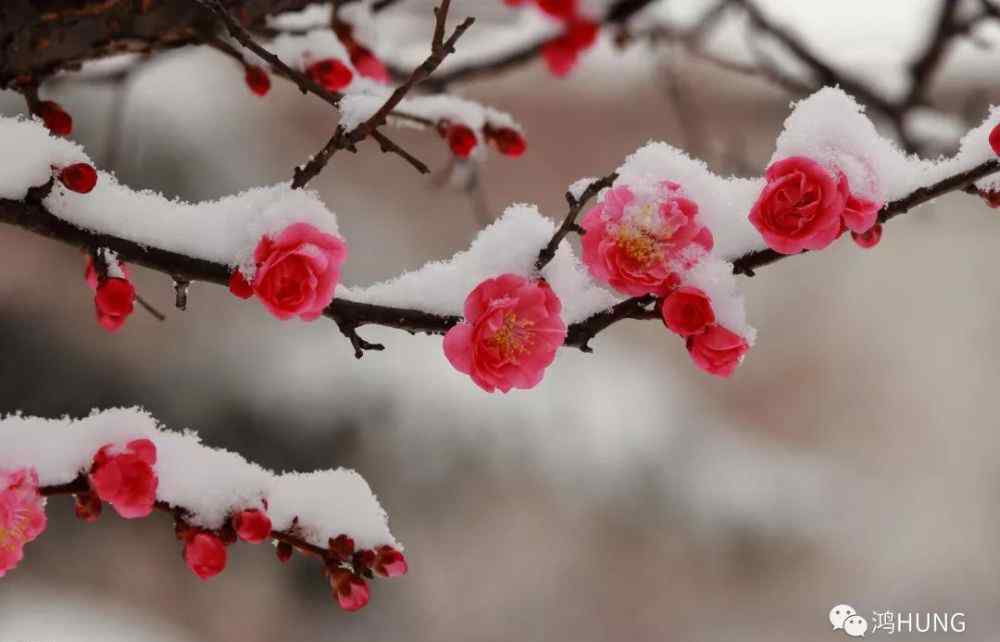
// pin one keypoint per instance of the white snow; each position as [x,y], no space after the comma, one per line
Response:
[225,230]
[510,245]
[829,127]
[210,483]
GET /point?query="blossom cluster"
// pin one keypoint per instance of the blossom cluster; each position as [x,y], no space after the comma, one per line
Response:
[125,477]
[645,240]
[806,206]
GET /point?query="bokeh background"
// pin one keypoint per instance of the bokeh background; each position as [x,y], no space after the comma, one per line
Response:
[852,458]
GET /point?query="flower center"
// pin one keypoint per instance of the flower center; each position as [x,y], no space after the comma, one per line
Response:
[12,537]
[640,245]
[513,337]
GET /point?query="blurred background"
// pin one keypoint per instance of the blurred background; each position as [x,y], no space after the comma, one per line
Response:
[851,459]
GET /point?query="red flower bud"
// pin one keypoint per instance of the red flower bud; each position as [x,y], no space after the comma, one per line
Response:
[252,525]
[389,562]
[870,238]
[995,140]
[239,286]
[368,65]
[350,590]
[79,177]
[55,118]
[342,547]
[205,554]
[992,197]
[687,311]
[114,302]
[331,73]
[509,141]
[582,32]
[257,80]
[462,140]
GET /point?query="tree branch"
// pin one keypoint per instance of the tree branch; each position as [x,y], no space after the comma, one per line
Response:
[748,263]
[341,139]
[349,315]
[576,205]
[81,485]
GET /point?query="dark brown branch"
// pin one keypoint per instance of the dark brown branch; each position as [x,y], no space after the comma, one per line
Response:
[39,38]
[342,139]
[576,205]
[32,216]
[81,485]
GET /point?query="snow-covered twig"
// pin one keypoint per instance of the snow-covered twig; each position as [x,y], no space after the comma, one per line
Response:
[343,139]
[210,493]
[960,182]
[306,85]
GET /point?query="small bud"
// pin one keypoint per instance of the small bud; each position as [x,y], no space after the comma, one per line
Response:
[350,590]
[238,285]
[368,65]
[992,197]
[252,525]
[331,74]
[55,118]
[342,547]
[995,140]
[205,555]
[79,177]
[389,562]
[461,139]
[509,141]
[870,238]
[257,80]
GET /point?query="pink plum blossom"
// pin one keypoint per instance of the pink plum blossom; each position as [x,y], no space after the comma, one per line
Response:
[298,270]
[22,515]
[510,335]
[639,241]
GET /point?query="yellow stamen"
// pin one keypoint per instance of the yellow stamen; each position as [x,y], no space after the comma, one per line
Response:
[512,338]
[11,538]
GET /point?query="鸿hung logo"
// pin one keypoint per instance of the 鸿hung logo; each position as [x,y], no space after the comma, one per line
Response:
[844,617]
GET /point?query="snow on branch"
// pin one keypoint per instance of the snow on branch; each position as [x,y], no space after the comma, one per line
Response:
[664,240]
[123,458]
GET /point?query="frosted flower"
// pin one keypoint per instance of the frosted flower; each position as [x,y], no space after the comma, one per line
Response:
[639,241]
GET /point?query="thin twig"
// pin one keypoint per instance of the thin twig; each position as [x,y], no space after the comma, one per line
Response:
[306,84]
[569,223]
[342,139]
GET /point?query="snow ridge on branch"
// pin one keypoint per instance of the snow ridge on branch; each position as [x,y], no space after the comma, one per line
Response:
[829,127]
[122,457]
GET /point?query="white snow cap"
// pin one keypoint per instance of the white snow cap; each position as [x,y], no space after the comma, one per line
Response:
[510,245]
[210,483]
[225,231]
